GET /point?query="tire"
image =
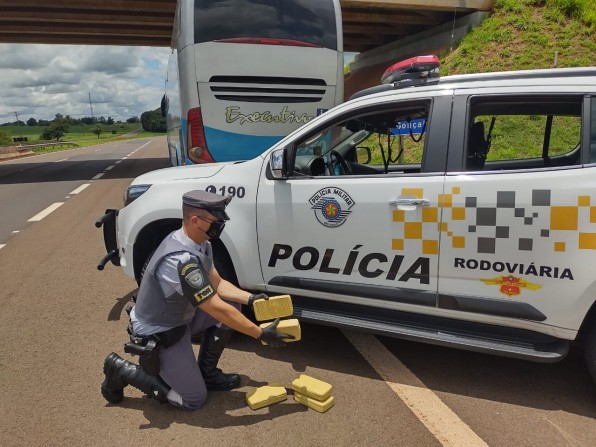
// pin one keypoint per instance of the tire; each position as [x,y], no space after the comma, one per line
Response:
[590,348]
[145,264]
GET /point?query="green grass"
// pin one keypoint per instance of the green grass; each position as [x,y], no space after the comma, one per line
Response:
[525,34]
[80,135]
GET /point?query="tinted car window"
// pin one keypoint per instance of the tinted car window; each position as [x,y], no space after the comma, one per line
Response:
[308,21]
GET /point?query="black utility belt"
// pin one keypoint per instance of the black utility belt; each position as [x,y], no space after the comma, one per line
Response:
[147,348]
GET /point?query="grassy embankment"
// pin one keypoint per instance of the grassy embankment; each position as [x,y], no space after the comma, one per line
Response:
[522,35]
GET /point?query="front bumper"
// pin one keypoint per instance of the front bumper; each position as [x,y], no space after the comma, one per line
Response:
[108,221]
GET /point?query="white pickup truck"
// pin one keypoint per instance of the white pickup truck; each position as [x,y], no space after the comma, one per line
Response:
[459,211]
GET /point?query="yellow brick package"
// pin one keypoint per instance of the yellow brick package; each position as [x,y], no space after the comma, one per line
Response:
[275,307]
[266,395]
[311,387]
[319,405]
[290,326]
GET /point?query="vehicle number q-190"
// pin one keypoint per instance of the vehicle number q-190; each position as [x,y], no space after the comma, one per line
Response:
[234,191]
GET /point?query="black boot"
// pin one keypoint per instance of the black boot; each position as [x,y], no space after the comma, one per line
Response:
[214,341]
[120,373]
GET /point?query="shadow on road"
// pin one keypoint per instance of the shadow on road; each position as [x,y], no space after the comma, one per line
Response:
[222,407]
[42,172]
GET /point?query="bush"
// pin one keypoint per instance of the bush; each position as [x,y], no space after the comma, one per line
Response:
[152,121]
[5,138]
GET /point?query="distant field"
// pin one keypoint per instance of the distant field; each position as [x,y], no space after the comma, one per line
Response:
[80,135]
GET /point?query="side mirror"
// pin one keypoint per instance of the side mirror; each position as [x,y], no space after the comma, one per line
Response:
[278,164]
[164,106]
[363,155]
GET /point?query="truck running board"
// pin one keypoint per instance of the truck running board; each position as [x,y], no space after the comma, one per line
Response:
[471,336]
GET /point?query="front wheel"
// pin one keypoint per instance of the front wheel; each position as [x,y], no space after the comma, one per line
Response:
[590,348]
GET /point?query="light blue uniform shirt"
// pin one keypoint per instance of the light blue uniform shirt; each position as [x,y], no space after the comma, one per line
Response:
[168,279]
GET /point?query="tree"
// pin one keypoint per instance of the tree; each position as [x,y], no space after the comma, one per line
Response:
[87,120]
[31,122]
[57,129]
[133,119]
[152,121]
[97,130]
[110,121]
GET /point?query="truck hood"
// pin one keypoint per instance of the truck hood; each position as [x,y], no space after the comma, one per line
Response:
[180,173]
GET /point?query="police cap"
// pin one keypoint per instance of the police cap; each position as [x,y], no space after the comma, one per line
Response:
[214,203]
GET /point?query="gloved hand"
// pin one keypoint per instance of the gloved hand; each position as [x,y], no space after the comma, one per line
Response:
[272,337]
[256,296]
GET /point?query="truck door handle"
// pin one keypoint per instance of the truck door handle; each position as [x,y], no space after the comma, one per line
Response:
[410,202]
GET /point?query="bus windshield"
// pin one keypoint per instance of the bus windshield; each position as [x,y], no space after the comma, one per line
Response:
[309,22]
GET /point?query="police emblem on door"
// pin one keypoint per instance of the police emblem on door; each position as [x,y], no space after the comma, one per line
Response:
[331,206]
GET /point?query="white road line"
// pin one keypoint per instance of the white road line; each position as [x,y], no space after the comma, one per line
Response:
[58,161]
[16,231]
[2,246]
[44,213]
[126,156]
[119,161]
[80,188]
[438,418]
[100,175]
[141,147]
[109,168]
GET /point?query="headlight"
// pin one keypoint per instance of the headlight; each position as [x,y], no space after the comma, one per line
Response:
[134,192]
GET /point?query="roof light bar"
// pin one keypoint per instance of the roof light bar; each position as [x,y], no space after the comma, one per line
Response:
[419,67]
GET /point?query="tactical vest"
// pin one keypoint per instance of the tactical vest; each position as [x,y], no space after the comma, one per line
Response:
[172,310]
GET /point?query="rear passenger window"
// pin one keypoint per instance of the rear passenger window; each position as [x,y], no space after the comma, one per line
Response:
[523,133]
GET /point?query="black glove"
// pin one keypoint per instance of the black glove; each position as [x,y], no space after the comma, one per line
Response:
[256,296]
[272,337]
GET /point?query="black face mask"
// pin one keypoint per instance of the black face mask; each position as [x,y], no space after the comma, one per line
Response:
[215,229]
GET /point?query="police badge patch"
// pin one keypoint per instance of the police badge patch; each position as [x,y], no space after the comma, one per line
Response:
[194,278]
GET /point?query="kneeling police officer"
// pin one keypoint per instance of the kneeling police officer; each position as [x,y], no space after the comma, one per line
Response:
[182,294]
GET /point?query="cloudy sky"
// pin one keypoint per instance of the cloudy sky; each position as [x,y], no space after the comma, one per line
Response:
[41,80]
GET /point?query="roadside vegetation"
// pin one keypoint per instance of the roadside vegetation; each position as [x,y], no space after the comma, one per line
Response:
[526,34]
[64,132]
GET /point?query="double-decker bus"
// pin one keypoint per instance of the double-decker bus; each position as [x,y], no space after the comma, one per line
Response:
[245,73]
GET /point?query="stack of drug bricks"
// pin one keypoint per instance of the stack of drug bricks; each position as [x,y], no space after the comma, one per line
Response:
[309,391]
[278,307]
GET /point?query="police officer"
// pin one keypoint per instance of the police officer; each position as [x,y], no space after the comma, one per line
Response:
[182,294]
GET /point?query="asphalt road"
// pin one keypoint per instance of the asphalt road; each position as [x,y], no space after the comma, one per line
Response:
[60,317]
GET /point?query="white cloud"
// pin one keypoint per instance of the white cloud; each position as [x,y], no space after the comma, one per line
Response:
[41,80]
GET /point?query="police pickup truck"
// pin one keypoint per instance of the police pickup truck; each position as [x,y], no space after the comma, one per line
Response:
[458,211]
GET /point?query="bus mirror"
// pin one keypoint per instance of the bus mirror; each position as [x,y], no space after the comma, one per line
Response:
[164,106]
[278,164]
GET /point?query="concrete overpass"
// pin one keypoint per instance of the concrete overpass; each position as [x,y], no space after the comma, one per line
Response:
[367,24]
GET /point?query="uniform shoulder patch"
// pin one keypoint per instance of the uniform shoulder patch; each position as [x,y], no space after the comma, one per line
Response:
[195,283]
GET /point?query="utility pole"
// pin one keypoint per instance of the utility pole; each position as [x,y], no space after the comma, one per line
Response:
[91,107]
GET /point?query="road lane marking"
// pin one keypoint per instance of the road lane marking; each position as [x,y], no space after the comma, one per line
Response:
[79,189]
[109,168]
[119,161]
[2,246]
[438,418]
[16,231]
[58,161]
[141,147]
[98,176]
[44,213]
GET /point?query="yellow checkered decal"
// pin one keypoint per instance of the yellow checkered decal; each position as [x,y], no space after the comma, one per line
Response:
[560,225]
